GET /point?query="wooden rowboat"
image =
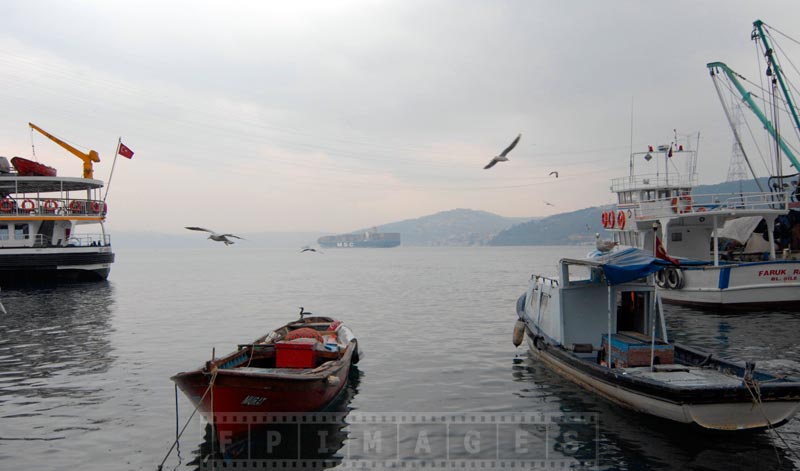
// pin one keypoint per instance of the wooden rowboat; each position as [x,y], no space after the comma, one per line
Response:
[300,367]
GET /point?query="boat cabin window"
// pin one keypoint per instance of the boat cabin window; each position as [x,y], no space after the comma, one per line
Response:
[20,231]
[648,195]
[3,231]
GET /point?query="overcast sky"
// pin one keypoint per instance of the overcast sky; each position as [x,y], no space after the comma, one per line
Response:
[337,115]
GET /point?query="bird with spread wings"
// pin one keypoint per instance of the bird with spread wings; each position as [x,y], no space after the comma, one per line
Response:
[215,236]
[502,157]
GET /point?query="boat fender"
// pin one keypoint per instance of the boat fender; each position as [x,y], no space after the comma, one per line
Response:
[674,277]
[333,380]
[28,205]
[661,278]
[519,333]
[6,205]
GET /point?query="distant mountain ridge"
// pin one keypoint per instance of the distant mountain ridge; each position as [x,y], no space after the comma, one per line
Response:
[579,227]
[458,227]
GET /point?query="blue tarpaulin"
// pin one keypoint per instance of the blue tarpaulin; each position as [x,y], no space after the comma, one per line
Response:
[628,264]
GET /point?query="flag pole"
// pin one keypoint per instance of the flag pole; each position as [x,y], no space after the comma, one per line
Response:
[654,308]
[108,185]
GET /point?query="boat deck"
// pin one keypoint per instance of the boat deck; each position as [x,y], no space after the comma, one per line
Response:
[684,376]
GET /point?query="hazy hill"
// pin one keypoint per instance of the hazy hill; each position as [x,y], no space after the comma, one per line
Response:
[571,228]
[454,227]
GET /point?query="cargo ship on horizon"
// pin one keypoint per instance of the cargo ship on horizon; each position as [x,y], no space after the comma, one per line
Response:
[368,239]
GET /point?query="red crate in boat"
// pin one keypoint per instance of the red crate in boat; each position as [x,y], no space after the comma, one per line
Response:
[299,353]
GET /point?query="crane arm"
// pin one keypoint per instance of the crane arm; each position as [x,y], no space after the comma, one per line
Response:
[92,156]
[748,98]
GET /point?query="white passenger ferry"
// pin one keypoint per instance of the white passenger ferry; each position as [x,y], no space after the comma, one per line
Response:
[40,214]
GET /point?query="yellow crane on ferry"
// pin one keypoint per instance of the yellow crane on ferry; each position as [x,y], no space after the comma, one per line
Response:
[92,156]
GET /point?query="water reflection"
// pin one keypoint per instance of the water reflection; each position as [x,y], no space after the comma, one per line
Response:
[52,341]
[302,446]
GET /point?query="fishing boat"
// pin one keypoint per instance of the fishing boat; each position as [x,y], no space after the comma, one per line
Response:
[300,367]
[42,221]
[601,325]
[737,250]
[30,168]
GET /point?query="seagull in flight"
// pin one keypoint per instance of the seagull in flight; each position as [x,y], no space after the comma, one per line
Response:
[554,173]
[309,249]
[216,237]
[603,245]
[502,157]
[548,203]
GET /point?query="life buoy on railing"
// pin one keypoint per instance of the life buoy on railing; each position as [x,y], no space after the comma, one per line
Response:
[612,219]
[28,205]
[682,204]
[701,209]
[621,220]
[50,205]
[97,206]
[605,219]
[6,205]
[76,206]
[661,278]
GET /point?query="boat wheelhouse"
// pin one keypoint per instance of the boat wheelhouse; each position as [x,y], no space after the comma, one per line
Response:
[601,326]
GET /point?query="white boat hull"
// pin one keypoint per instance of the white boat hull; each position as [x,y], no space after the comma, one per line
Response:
[762,284]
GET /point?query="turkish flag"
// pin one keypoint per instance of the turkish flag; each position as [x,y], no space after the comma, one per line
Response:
[124,151]
[661,253]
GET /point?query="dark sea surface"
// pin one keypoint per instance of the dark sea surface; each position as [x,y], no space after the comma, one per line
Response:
[85,368]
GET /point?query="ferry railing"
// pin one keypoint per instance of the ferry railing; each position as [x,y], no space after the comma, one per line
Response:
[89,240]
[52,207]
[709,203]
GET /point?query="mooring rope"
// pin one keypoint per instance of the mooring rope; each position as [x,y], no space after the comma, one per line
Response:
[177,438]
[755,393]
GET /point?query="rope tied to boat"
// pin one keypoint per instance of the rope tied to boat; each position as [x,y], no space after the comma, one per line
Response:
[753,387]
[178,436]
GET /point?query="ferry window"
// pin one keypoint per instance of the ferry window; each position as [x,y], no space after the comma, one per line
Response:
[20,231]
[676,237]
[3,231]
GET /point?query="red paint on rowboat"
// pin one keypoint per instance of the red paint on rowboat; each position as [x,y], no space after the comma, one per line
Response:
[248,387]
[29,168]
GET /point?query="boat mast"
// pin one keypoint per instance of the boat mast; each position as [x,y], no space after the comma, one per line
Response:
[758,33]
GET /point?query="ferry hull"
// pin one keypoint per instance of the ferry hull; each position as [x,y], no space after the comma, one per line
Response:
[21,265]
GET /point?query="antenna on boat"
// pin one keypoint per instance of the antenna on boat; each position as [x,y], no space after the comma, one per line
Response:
[631,152]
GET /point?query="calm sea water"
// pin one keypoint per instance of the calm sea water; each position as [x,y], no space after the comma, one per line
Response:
[84,369]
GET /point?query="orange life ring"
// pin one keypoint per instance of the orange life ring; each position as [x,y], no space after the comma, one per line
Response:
[701,209]
[28,205]
[612,219]
[97,206]
[6,205]
[621,219]
[682,204]
[605,219]
[50,205]
[76,206]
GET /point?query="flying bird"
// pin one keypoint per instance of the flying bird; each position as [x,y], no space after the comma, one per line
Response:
[548,203]
[554,173]
[309,249]
[216,237]
[603,245]
[502,157]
